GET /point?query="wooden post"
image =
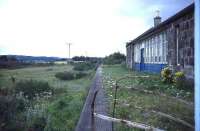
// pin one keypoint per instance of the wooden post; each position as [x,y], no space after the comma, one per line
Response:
[113,115]
[116,87]
[92,110]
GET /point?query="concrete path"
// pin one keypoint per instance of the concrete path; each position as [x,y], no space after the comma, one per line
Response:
[85,122]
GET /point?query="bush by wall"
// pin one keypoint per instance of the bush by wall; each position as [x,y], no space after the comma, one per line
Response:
[166,75]
[179,79]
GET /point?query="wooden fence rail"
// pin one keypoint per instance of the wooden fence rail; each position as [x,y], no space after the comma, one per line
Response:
[128,123]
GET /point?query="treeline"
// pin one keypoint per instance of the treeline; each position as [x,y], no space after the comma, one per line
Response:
[115,58]
[88,59]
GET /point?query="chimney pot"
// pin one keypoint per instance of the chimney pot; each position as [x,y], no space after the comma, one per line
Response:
[157,19]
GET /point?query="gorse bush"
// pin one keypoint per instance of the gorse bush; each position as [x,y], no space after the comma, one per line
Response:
[31,89]
[179,79]
[84,66]
[166,75]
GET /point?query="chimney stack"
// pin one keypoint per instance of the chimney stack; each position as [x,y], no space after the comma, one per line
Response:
[157,19]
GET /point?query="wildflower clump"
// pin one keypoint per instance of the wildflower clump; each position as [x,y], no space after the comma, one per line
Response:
[166,75]
[179,79]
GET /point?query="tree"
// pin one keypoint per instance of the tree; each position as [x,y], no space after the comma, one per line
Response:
[115,58]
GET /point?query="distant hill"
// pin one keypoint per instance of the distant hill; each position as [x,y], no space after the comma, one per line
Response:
[22,58]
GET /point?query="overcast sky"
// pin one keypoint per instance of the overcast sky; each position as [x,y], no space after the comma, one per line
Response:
[94,27]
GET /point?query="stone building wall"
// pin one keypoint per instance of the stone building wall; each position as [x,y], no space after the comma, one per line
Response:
[129,56]
[185,36]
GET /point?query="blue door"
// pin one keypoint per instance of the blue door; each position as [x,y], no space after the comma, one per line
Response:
[142,60]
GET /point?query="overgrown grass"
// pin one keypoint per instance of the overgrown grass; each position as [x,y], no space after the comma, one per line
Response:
[136,106]
[61,111]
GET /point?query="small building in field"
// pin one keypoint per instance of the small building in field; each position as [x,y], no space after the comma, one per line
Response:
[168,43]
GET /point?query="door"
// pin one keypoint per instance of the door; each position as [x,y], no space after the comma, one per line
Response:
[142,60]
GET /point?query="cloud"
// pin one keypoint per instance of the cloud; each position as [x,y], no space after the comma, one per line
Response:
[94,27]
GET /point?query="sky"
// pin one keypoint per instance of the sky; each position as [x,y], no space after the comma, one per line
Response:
[93,27]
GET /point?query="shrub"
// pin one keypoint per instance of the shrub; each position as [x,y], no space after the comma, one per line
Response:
[179,79]
[65,75]
[84,66]
[115,58]
[166,75]
[70,75]
[80,75]
[31,88]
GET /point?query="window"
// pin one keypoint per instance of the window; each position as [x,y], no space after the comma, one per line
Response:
[161,48]
[151,50]
[155,47]
[144,45]
[164,48]
[158,48]
[147,50]
[136,53]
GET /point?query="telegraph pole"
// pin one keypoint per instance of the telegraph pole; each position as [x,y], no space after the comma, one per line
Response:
[69,45]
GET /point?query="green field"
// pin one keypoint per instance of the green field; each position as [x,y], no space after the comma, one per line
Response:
[59,112]
[137,106]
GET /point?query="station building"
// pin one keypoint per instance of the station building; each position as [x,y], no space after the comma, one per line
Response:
[168,43]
